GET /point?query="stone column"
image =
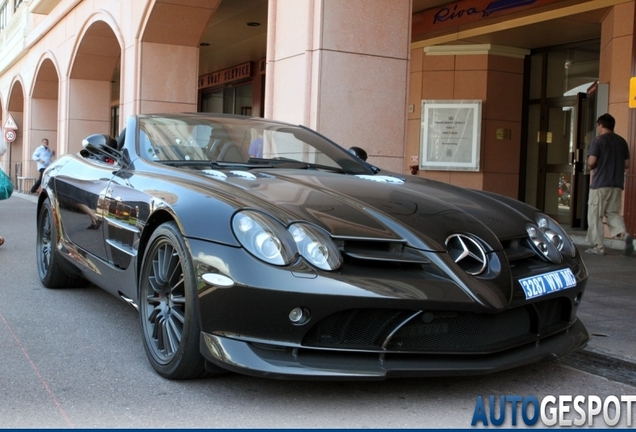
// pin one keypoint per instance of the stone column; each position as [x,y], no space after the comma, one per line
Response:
[341,67]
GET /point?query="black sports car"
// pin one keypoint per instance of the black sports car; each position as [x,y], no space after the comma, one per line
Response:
[264,248]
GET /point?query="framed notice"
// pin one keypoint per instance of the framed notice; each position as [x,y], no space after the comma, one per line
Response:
[451,135]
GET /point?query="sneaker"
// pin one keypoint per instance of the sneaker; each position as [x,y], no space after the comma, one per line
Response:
[629,244]
[596,250]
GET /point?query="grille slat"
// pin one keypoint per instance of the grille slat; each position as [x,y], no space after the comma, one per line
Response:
[436,331]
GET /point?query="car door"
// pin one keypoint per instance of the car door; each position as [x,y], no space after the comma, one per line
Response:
[78,186]
[125,210]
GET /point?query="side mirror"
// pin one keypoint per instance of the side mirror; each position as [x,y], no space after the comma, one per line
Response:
[357,151]
[100,144]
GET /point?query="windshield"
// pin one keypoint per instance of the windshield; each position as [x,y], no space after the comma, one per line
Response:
[203,141]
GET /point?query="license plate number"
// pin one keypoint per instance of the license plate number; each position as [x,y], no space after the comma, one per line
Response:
[547,283]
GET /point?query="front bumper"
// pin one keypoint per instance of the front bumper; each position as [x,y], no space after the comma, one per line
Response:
[305,363]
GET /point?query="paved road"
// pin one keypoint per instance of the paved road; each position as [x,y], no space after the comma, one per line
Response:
[74,358]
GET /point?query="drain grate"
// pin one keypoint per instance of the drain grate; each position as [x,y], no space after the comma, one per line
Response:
[607,367]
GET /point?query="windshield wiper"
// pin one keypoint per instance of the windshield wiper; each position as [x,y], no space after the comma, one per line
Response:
[296,164]
[215,164]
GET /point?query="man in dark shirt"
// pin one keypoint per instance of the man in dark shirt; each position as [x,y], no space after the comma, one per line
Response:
[609,158]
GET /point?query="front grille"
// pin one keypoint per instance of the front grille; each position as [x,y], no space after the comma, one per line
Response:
[463,332]
[437,331]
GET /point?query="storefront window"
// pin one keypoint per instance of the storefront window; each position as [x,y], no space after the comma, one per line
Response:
[572,67]
[230,100]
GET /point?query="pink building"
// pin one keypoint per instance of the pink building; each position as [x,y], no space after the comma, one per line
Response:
[361,72]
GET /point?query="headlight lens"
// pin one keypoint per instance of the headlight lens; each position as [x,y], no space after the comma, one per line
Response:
[268,240]
[315,245]
[543,244]
[264,237]
[556,235]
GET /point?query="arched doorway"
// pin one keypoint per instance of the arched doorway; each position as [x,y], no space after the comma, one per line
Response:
[91,83]
[44,111]
[16,152]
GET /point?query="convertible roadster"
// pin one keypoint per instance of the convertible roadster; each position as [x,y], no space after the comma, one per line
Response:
[264,248]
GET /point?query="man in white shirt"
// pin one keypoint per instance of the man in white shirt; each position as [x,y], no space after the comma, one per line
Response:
[42,155]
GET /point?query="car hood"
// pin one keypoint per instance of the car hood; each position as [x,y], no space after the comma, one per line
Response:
[383,207]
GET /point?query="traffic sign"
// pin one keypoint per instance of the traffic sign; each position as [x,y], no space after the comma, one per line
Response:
[10,123]
[10,135]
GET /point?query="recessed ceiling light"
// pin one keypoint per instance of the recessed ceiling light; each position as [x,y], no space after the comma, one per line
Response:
[253,24]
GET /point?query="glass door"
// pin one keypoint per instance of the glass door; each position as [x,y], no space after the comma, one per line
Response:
[560,142]
[558,79]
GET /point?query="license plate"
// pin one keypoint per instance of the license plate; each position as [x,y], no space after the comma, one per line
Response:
[547,283]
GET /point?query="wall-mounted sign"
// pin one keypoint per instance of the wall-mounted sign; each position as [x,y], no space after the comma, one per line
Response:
[451,135]
[632,92]
[225,76]
[466,12]
[504,134]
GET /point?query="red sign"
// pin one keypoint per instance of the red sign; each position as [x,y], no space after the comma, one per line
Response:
[466,12]
[224,76]
[9,135]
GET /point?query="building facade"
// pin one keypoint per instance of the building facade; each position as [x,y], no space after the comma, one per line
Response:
[534,74]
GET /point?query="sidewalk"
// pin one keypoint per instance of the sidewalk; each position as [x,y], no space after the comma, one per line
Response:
[609,304]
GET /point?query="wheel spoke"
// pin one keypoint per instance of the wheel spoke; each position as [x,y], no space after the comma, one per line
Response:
[154,284]
[166,343]
[180,300]
[156,267]
[177,314]
[177,287]
[174,335]
[174,267]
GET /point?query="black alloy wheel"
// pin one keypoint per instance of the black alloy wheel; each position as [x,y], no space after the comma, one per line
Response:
[52,275]
[168,312]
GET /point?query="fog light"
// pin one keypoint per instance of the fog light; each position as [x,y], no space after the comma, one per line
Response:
[299,315]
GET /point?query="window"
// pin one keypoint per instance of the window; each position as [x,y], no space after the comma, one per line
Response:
[3,16]
[114,120]
[229,100]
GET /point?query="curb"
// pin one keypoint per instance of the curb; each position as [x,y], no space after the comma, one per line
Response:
[610,243]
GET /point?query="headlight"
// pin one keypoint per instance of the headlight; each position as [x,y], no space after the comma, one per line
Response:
[556,235]
[543,244]
[316,246]
[264,237]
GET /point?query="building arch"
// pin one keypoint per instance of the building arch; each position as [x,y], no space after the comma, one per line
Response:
[15,107]
[4,157]
[43,109]
[95,65]
[160,39]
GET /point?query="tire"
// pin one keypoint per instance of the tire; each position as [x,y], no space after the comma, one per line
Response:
[51,273]
[168,306]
